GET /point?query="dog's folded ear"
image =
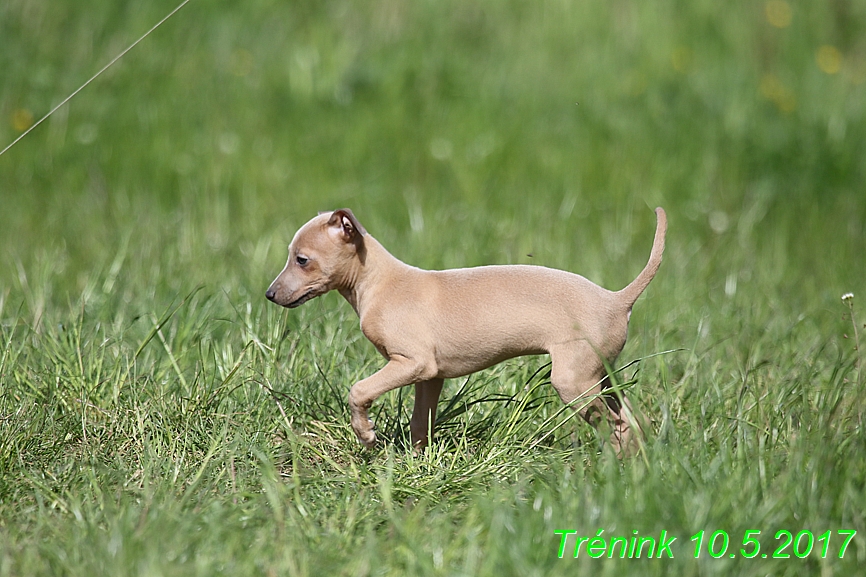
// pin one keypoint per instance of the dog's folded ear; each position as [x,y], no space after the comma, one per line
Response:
[351,229]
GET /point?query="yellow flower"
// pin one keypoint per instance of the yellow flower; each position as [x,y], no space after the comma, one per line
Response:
[775,91]
[22,119]
[778,13]
[829,59]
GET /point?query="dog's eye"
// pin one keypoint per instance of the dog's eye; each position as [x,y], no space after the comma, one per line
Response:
[302,260]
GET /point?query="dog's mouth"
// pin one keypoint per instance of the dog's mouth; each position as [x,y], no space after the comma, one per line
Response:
[302,299]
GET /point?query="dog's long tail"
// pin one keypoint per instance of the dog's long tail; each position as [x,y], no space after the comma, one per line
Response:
[631,293]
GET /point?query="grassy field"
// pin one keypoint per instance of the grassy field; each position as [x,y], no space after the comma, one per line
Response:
[159,417]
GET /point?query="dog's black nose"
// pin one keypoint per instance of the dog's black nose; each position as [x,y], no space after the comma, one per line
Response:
[271,294]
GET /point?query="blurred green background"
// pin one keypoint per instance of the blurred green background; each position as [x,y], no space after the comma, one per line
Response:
[459,133]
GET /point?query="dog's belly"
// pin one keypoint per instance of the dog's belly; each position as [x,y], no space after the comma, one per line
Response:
[460,364]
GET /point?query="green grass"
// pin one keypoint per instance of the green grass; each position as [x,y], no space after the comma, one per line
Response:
[159,417]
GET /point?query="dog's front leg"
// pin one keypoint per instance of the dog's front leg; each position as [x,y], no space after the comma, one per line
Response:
[400,371]
[424,415]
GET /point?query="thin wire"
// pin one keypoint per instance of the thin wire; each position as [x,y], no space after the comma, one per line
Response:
[94,77]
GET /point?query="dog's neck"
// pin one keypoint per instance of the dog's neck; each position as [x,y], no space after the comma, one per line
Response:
[364,275]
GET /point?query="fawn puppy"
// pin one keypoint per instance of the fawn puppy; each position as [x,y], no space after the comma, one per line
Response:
[435,325]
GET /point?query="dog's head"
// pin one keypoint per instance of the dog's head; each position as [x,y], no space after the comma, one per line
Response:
[323,256]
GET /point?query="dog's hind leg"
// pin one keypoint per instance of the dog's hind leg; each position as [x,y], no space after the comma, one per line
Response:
[580,379]
[424,415]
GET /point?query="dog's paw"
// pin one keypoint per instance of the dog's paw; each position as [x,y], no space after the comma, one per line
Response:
[365,433]
[367,438]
